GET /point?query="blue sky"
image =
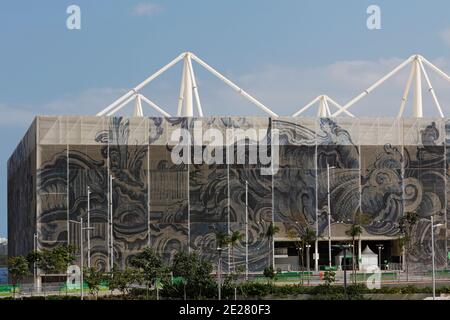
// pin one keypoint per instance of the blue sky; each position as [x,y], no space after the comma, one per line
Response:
[283,52]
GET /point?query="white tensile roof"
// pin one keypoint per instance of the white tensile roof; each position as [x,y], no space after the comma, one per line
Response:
[368,252]
[189,91]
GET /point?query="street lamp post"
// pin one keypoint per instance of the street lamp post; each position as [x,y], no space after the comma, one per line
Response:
[329,213]
[344,248]
[345,270]
[246,230]
[433,255]
[89,226]
[220,274]
[82,259]
[308,267]
[308,246]
[111,224]
[219,271]
[81,255]
[35,238]
[380,247]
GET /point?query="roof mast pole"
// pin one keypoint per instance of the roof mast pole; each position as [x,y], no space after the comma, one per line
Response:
[187,109]
[138,107]
[194,85]
[406,92]
[374,86]
[322,111]
[417,105]
[430,89]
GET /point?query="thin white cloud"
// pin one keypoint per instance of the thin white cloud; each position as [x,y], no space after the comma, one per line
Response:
[445,36]
[88,102]
[287,88]
[283,88]
[146,9]
[15,115]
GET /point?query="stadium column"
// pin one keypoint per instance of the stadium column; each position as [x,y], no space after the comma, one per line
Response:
[273,175]
[359,249]
[37,276]
[188,168]
[316,243]
[418,112]
[67,190]
[108,233]
[187,107]
[148,189]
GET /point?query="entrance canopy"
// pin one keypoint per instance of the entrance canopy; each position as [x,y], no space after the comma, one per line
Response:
[340,256]
[368,259]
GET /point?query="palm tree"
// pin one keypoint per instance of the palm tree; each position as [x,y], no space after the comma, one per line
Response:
[406,227]
[308,238]
[270,233]
[295,235]
[302,239]
[354,231]
[235,238]
[222,239]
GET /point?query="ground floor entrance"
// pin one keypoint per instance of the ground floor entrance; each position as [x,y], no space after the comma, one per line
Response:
[338,255]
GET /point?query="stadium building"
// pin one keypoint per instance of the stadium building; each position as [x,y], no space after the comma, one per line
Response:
[118,174]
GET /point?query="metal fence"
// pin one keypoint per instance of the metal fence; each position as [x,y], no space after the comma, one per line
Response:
[385,277]
[46,289]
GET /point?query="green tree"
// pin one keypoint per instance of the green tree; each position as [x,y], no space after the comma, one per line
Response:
[270,233]
[54,261]
[17,269]
[270,274]
[235,238]
[195,272]
[150,265]
[122,280]
[354,232]
[232,278]
[406,226]
[93,278]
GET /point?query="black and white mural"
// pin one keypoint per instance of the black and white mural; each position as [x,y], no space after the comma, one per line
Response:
[175,207]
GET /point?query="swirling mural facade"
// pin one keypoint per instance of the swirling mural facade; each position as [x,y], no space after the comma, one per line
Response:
[377,171]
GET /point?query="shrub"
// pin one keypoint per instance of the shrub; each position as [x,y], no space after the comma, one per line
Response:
[270,273]
[291,290]
[324,289]
[445,290]
[329,277]
[256,289]
[332,296]
[357,289]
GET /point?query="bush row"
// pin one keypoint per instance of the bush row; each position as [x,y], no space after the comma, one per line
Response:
[260,290]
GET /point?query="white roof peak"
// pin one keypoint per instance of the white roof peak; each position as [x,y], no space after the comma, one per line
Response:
[417,63]
[188,91]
